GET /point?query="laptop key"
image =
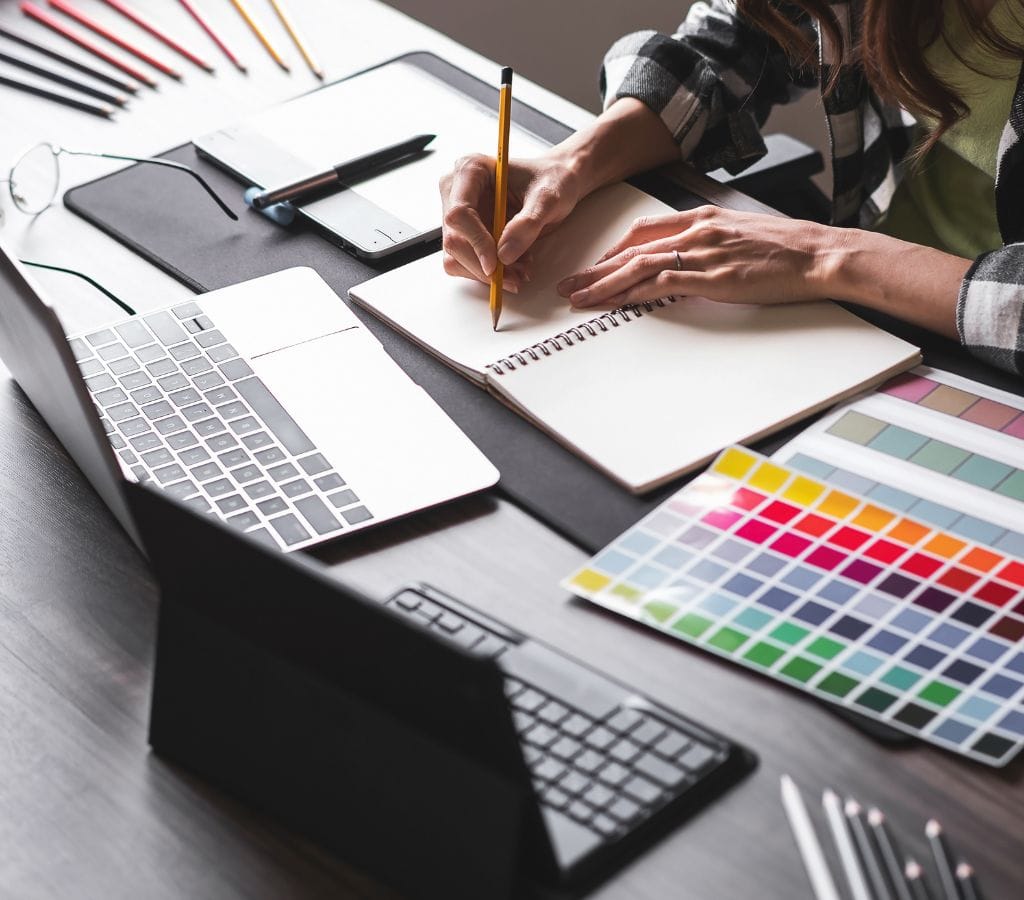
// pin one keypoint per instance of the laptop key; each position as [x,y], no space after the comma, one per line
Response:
[220,442]
[555,797]
[100,382]
[162,367]
[181,440]
[129,458]
[158,410]
[571,838]
[315,511]
[605,825]
[697,757]
[122,411]
[624,751]
[232,504]
[182,489]
[244,520]
[146,395]
[314,464]
[672,744]
[206,471]
[159,457]
[244,426]
[576,725]
[168,331]
[170,425]
[273,506]
[245,474]
[141,475]
[259,489]
[135,380]
[108,426]
[234,369]
[167,474]
[198,502]
[196,412]
[193,456]
[90,367]
[647,792]
[209,338]
[598,796]
[566,748]
[270,456]
[649,731]
[148,354]
[133,333]
[184,351]
[549,770]
[99,338]
[624,721]
[145,441]
[196,366]
[171,383]
[659,771]
[356,514]
[589,761]
[296,488]
[264,537]
[219,487]
[109,397]
[276,418]
[232,410]
[624,809]
[112,352]
[123,366]
[541,735]
[283,472]
[257,440]
[600,738]
[574,783]
[187,311]
[329,482]
[209,427]
[79,349]
[233,458]
[222,353]
[220,395]
[580,811]
[185,397]
[613,774]
[290,529]
[117,442]
[204,322]
[552,712]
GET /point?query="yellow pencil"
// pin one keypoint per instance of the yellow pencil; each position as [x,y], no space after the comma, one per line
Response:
[501,187]
[289,25]
[251,22]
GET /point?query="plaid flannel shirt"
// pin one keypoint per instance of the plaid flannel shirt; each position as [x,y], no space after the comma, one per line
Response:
[713,84]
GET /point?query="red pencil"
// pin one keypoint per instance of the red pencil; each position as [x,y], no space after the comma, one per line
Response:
[192,11]
[133,16]
[80,17]
[55,25]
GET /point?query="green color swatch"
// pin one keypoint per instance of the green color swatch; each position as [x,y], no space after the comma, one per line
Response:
[839,685]
[763,654]
[939,457]
[939,693]
[728,639]
[660,610]
[692,625]
[825,648]
[856,427]
[801,669]
[789,633]
[877,700]
[900,678]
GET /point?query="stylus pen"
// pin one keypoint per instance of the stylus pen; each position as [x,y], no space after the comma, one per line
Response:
[501,188]
[807,843]
[342,172]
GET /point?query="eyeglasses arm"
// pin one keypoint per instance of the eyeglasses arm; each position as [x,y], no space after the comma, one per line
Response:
[86,278]
[170,164]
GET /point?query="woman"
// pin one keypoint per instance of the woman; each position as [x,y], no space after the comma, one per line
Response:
[944,193]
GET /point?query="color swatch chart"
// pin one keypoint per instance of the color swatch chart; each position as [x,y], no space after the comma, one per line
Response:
[834,594]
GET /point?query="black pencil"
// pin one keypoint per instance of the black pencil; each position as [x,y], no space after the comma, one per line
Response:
[79,86]
[968,885]
[873,865]
[119,83]
[915,881]
[933,831]
[64,99]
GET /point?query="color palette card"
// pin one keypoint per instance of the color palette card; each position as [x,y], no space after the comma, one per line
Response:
[835,594]
[938,447]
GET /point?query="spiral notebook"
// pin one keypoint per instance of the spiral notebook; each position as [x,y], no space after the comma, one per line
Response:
[646,392]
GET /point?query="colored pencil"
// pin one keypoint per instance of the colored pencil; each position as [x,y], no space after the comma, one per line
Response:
[876,819]
[49,74]
[968,884]
[58,27]
[807,842]
[844,844]
[243,11]
[97,28]
[150,28]
[868,853]
[915,881]
[933,831]
[63,99]
[192,11]
[42,49]
[289,25]
[501,189]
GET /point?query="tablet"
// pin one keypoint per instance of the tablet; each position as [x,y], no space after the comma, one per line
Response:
[392,209]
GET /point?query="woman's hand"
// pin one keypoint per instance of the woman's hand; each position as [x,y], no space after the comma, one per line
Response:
[541,193]
[740,257]
[720,254]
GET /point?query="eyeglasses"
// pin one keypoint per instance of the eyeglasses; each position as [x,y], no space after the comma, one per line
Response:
[34,178]
[108,294]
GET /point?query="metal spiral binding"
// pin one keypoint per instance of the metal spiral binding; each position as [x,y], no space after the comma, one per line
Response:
[578,333]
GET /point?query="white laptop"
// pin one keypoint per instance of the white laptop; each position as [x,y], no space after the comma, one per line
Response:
[267,404]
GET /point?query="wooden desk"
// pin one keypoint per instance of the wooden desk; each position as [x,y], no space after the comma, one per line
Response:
[86,811]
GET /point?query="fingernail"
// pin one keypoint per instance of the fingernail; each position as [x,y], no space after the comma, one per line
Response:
[488,265]
[509,253]
[510,286]
[567,285]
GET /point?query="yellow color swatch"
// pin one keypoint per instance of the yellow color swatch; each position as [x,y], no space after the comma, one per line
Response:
[873,518]
[590,580]
[769,477]
[838,505]
[734,463]
[944,545]
[803,491]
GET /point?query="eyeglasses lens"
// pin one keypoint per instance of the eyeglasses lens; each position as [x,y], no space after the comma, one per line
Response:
[34,179]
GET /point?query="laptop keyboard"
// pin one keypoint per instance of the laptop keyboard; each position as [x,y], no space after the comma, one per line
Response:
[182,409]
[608,764]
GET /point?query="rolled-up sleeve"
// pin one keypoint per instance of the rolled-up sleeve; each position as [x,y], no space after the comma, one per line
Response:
[712,83]
[990,309]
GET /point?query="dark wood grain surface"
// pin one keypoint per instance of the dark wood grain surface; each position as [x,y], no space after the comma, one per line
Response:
[86,811]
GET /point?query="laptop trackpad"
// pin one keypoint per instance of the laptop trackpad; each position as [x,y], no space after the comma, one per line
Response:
[381,431]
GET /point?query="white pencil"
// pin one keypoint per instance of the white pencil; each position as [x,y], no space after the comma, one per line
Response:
[807,842]
[844,844]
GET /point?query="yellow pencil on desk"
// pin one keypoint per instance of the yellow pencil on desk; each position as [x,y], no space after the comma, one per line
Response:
[244,12]
[501,187]
[289,25]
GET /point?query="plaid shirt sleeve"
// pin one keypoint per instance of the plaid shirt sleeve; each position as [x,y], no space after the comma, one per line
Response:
[713,83]
[990,311]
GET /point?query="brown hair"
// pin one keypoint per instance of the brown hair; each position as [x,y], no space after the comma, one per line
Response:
[890,46]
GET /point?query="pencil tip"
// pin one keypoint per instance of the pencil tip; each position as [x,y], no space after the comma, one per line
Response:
[852,807]
[964,871]
[875,816]
[913,869]
[933,828]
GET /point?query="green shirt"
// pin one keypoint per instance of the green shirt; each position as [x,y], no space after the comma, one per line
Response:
[948,200]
